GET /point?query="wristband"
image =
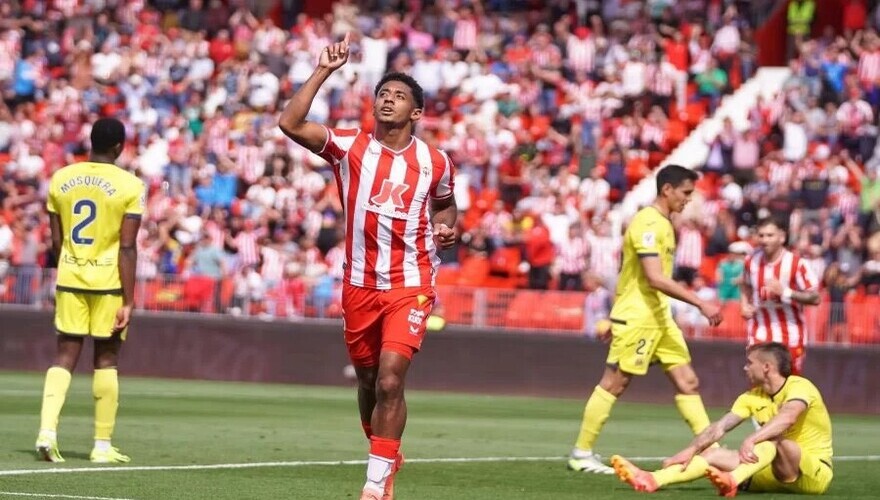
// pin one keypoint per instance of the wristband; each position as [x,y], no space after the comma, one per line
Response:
[786,296]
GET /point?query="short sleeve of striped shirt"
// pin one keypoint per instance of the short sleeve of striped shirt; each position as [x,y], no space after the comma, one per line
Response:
[444,187]
[805,279]
[339,141]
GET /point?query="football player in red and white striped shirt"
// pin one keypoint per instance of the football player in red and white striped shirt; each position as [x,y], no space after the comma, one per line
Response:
[776,286]
[397,195]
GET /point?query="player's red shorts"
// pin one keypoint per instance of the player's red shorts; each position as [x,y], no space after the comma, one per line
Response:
[384,320]
[798,354]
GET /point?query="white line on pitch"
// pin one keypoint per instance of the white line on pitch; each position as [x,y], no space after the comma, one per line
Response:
[308,463]
[49,495]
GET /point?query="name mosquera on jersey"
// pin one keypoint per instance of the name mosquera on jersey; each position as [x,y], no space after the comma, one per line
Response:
[88,180]
[91,200]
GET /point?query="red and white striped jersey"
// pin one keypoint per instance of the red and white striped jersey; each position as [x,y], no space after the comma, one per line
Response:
[869,68]
[625,135]
[689,248]
[847,205]
[273,264]
[547,57]
[250,162]
[248,249]
[662,78]
[580,54]
[386,195]
[466,34]
[572,255]
[775,321]
[217,233]
[604,254]
[780,172]
[652,133]
[853,115]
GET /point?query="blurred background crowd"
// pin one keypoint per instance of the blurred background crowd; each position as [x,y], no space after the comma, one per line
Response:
[551,111]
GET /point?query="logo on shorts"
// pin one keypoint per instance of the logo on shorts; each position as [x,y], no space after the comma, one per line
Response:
[416,316]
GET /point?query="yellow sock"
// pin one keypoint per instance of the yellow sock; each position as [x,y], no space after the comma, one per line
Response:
[765,452]
[54,394]
[596,412]
[105,388]
[675,474]
[691,408]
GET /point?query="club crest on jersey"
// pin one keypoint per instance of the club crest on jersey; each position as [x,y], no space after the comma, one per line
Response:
[389,200]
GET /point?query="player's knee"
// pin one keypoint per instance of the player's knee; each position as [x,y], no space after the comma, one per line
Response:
[690,385]
[366,377]
[106,359]
[389,386]
[687,382]
[614,381]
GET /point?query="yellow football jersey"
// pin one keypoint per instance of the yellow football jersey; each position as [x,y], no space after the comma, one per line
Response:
[636,303]
[812,430]
[755,403]
[92,199]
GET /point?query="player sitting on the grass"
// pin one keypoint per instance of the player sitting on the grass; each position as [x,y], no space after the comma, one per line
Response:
[790,452]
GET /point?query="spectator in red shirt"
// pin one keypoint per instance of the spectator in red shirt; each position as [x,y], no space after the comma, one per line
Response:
[540,254]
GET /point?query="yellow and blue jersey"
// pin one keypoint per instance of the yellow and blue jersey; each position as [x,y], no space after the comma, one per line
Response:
[91,201]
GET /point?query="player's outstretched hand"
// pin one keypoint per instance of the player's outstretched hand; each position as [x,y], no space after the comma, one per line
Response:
[123,317]
[335,55]
[445,235]
[712,312]
[747,311]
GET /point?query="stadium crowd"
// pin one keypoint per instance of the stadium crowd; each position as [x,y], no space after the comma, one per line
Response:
[550,110]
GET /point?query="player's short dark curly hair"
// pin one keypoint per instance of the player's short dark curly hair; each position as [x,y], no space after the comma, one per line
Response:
[395,76]
[106,134]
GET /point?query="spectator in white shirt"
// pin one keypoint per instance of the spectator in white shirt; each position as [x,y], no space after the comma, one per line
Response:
[453,70]
[264,87]
[375,50]
[426,71]
[794,142]
[731,192]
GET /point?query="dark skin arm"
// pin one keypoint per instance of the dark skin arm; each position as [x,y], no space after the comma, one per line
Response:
[127,266]
[293,118]
[55,226]
[444,212]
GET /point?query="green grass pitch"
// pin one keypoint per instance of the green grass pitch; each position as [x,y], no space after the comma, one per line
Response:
[310,432]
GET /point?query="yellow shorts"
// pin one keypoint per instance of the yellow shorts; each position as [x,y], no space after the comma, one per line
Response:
[815,478]
[86,313]
[633,349]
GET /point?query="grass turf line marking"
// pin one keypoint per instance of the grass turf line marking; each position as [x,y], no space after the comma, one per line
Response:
[308,463]
[49,495]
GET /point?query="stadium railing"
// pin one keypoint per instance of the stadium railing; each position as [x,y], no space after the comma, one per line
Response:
[854,322]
